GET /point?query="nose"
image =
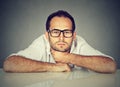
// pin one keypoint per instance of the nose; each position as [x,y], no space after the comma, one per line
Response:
[61,37]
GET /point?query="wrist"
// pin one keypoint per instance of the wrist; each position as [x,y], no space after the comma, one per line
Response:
[59,67]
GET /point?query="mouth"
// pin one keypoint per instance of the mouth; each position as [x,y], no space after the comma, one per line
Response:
[61,44]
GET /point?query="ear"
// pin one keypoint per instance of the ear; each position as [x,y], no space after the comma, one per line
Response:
[74,35]
[46,35]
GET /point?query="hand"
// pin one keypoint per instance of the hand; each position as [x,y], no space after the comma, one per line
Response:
[61,57]
[62,67]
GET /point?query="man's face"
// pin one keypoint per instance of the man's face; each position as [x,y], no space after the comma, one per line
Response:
[60,43]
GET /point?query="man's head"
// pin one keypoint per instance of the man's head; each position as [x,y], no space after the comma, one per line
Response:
[60,27]
[60,13]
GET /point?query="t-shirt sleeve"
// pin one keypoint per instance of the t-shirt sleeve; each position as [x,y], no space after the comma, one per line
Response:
[86,49]
[34,51]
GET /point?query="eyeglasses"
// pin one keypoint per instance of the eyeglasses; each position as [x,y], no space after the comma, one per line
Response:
[56,33]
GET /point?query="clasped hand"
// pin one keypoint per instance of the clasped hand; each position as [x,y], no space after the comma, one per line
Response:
[61,57]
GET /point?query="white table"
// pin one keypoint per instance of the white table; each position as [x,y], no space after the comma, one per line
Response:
[76,78]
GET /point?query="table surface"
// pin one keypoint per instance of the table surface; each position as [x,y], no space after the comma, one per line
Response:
[76,78]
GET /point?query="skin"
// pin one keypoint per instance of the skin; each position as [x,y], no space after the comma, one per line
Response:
[60,48]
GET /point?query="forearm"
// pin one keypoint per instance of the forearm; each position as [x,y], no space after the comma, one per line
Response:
[21,64]
[95,63]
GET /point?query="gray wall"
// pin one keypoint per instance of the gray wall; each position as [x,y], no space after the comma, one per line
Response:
[21,21]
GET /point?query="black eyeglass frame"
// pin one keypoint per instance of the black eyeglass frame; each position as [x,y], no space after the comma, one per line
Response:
[63,31]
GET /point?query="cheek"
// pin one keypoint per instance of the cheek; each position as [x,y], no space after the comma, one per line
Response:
[69,41]
[52,40]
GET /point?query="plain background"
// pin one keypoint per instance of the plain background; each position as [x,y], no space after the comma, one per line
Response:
[97,21]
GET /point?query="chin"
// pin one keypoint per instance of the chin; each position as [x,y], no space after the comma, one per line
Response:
[62,50]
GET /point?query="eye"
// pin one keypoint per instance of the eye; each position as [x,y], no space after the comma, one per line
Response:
[68,32]
[55,31]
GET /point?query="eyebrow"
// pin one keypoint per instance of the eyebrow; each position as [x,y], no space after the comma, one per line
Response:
[63,30]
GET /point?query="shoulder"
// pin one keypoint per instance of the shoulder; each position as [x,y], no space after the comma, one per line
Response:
[42,37]
[40,41]
[80,40]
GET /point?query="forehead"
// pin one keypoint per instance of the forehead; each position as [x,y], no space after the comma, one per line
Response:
[60,23]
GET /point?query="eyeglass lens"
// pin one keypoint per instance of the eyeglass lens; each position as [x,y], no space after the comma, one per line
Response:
[56,33]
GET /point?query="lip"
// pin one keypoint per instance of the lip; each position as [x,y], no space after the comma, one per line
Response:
[61,44]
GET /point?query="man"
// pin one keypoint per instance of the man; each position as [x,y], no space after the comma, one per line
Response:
[59,49]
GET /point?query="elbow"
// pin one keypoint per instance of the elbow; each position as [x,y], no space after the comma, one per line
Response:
[5,66]
[113,67]
[8,65]
[110,67]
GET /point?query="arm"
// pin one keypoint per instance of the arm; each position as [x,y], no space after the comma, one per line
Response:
[21,64]
[96,63]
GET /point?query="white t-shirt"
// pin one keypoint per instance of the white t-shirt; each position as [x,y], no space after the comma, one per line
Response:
[40,49]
